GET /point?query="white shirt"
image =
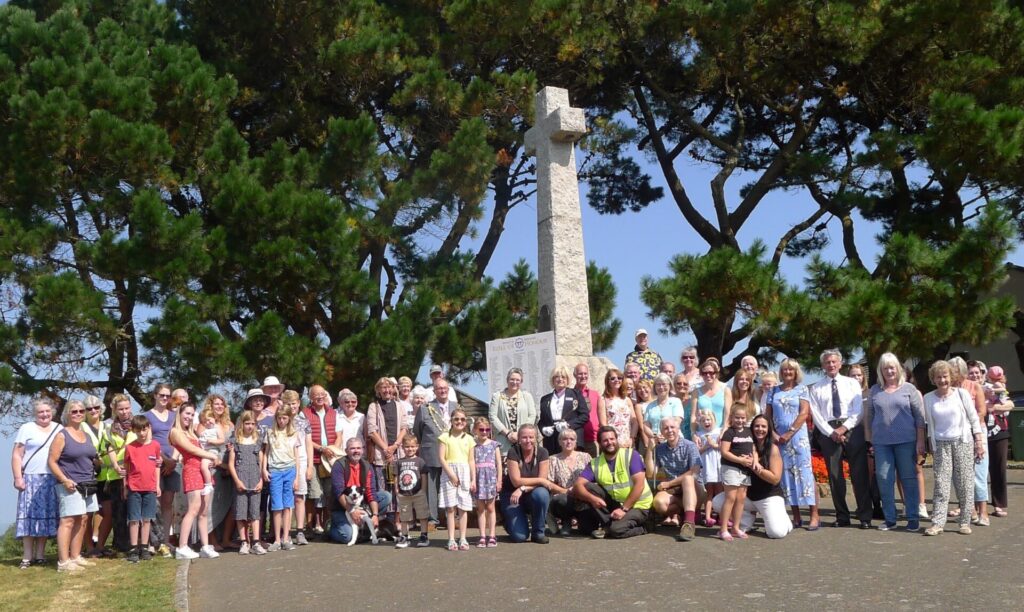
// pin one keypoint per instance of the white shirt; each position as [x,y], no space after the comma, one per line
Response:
[349,428]
[557,404]
[952,417]
[850,403]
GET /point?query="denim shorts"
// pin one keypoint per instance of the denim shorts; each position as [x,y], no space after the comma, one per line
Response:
[141,506]
[73,504]
[171,482]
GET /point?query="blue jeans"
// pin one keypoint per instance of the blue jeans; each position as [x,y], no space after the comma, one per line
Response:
[981,479]
[341,529]
[516,523]
[892,460]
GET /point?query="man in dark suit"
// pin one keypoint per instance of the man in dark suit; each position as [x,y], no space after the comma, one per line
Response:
[564,408]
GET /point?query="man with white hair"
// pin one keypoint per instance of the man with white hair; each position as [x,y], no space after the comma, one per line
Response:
[836,408]
[676,465]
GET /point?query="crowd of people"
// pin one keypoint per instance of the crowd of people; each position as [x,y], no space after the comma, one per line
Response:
[653,445]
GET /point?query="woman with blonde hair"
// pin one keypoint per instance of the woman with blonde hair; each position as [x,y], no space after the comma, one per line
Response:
[894,425]
[952,426]
[788,408]
[616,409]
[743,392]
[72,458]
[563,408]
[183,437]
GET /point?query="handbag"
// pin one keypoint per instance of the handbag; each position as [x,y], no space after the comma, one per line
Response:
[87,487]
[48,438]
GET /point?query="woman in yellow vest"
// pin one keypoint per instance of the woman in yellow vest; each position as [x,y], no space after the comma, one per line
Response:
[615,487]
[118,435]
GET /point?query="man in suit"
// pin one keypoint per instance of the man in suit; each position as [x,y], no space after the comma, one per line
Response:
[563,408]
[836,405]
[432,420]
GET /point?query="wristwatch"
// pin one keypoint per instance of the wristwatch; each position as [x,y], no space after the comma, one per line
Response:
[522,488]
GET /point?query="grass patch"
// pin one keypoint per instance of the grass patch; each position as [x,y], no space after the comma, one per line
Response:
[112,584]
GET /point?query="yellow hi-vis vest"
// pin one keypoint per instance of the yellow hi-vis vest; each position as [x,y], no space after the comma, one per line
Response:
[619,484]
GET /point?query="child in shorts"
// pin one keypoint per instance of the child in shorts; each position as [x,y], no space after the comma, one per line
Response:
[279,461]
[142,486]
[412,497]
[738,456]
[244,458]
[209,437]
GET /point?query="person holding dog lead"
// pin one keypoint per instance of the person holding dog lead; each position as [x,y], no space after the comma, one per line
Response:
[353,471]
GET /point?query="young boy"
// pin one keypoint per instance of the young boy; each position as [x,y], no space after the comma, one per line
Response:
[412,497]
[142,486]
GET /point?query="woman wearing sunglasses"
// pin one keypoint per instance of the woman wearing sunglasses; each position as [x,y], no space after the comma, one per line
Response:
[711,395]
[71,460]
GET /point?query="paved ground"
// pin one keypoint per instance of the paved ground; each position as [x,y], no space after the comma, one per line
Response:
[845,569]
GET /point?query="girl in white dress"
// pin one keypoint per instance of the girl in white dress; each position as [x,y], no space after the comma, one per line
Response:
[707,435]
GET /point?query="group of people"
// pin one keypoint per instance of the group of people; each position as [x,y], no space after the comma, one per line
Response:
[682,446]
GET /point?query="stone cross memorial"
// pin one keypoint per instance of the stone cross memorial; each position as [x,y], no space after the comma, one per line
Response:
[561,266]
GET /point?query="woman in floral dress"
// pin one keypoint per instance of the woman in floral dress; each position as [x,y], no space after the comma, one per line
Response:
[789,408]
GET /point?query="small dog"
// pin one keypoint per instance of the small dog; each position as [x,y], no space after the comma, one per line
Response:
[356,499]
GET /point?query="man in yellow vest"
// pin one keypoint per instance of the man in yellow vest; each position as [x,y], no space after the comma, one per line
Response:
[615,486]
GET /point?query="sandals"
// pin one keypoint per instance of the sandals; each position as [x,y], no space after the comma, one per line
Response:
[482,543]
[1001,513]
[955,513]
[492,542]
[453,545]
[463,544]
[725,536]
[739,533]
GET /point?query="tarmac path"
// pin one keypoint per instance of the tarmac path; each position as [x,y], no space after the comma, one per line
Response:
[833,568]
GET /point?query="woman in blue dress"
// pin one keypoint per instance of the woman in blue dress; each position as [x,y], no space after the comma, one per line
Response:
[788,408]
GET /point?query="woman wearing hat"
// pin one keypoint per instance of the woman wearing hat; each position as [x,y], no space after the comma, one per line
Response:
[258,401]
[273,388]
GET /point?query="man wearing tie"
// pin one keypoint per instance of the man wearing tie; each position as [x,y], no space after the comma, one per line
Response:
[836,410]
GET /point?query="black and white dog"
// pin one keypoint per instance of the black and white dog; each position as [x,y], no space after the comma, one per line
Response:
[356,499]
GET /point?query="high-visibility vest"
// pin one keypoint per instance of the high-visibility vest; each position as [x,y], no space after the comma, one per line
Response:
[619,484]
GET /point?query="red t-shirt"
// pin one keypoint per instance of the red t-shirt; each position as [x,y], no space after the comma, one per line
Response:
[142,462]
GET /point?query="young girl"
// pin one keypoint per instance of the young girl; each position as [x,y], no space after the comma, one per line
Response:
[769,379]
[279,457]
[738,456]
[458,480]
[245,456]
[708,436]
[210,437]
[486,458]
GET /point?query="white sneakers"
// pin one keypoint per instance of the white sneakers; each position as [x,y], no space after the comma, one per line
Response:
[206,552]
